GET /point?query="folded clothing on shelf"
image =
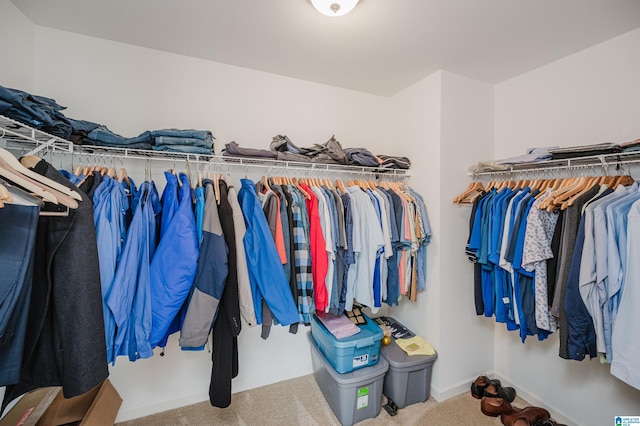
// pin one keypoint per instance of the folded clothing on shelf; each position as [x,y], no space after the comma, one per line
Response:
[166,140]
[362,157]
[631,146]
[330,152]
[36,111]
[487,166]
[232,149]
[392,162]
[533,155]
[584,150]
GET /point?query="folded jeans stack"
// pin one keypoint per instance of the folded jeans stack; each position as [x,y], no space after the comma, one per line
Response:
[36,111]
[188,141]
[172,140]
[102,136]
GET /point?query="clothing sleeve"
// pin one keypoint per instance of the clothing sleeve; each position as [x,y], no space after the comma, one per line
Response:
[210,279]
[244,285]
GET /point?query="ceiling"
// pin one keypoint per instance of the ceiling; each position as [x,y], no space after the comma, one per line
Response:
[382,47]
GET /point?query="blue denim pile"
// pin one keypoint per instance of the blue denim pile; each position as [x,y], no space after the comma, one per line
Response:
[36,111]
[171,140]
[45,114]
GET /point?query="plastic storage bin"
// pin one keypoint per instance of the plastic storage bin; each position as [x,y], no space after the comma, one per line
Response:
[408,379]
[353,396]
[350,353]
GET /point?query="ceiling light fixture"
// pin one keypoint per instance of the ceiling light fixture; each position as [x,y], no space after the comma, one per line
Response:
[334,7]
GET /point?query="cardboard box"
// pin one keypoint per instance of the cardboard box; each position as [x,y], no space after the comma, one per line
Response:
[48,407]
[31,407]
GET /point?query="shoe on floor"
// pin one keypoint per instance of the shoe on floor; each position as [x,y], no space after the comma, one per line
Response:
[528,416]
[496,406]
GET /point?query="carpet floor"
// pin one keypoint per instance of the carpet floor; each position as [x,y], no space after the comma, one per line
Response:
[300,402]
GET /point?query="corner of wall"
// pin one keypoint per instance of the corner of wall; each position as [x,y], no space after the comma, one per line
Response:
[17,48]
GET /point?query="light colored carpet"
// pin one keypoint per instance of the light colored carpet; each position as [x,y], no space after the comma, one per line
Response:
[300,402]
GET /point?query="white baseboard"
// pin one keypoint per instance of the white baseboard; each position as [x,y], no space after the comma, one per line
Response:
[456,389]
[556,413]
[256,382]
[196,397]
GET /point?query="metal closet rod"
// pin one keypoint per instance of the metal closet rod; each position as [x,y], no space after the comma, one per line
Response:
[220,161]
[599,164]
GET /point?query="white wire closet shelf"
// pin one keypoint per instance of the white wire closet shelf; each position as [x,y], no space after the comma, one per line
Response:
[21,137]
[603,164]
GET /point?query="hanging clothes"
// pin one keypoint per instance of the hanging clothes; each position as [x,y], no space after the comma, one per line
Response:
[171,275]
[65,294]
[17,244]
[227,327]
[581,296]
[267,276]
[368,241]
[318,247]
[210,279]
[301,274]
[109,206]
[245,295]
[129,295]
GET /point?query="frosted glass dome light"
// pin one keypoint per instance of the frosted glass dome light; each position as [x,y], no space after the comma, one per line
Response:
[334,7]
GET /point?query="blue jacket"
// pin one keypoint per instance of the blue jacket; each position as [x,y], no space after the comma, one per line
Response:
[129,295]
[210,279]
[265,269]
[173,268]
[110,202]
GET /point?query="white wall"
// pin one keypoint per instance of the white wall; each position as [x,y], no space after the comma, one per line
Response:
[417,120]
[17,48]
[589,97]
[131,89]
[467,134]
[444,123]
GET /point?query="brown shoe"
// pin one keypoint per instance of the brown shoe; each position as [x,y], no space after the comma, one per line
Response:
[496,406]
[526,417]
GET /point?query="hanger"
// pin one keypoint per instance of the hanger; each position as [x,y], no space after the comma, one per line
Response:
[123,176]
[78,170]
[264,181]
[301,189]
[475,186]
[340,186]
[46,193]
[5,195]
[589,182]
[21,166]
[624,180]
